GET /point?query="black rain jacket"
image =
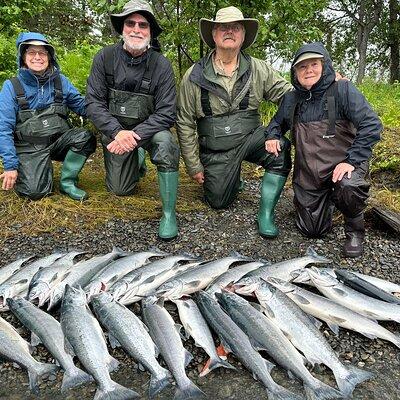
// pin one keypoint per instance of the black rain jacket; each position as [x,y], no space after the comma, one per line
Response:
[351,105]
[162,88]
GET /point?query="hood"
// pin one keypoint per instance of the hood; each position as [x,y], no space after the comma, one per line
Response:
[22,44]
[328,73]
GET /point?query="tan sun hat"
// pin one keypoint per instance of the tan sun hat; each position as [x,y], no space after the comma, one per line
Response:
[224,16]
[307,56]
[136,6]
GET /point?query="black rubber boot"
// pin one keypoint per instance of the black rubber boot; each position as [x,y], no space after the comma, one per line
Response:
[355,232]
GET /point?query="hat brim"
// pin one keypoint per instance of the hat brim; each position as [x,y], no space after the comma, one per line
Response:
[117,21]
[250,25]
[24,45]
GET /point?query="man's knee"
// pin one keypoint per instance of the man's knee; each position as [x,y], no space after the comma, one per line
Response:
[83,142]
[165,151]
[281,164]
[33,192]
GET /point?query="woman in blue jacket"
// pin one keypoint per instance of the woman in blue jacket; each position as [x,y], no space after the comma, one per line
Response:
[33,124]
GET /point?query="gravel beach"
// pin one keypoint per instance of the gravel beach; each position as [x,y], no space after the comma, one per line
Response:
[213,234]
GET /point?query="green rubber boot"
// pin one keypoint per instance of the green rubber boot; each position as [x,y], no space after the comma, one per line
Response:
[271,189]
[142,162]
[168,184]
[70,170]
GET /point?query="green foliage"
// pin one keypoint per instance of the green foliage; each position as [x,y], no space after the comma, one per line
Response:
[76,63]
[8,59]
[385,99]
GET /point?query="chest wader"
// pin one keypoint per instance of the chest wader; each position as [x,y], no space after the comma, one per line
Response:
[123,171]
[220,139]
[35,133]
[320,146]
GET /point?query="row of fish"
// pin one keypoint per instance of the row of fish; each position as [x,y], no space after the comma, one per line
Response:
[276,324]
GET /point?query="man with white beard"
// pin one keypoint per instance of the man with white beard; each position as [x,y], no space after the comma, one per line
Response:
[130,98]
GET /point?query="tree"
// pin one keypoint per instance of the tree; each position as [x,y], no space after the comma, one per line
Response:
[394,40]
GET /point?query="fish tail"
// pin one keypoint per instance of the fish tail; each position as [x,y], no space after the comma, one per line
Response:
[119,392]
[354,376]
[34,375]
[321,391]
[158,384]
[282,394]
[74,377]
[191,391]
[113,364]
[213,363]
[316,257]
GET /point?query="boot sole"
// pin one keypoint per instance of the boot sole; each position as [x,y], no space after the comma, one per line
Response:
[167,239]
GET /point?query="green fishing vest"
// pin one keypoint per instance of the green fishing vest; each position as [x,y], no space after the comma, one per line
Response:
[130,108]
[40,126]
[225,131]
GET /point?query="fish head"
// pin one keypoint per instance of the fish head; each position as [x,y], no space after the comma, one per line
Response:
[170,290]
[265,292]
[119,289]
[321,278]
[149,300]
[5,293]
[228,299]
[283,286]
[39,290]
[101,299]
[205,299]
[17,303]
[73,296]
[301,276]
[92,289]
[246,285]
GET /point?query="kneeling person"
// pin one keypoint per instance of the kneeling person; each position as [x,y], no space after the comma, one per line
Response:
[33,124]
[333,129]
[131,100]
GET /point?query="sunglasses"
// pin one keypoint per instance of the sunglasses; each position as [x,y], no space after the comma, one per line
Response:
[131,24]
[32,53]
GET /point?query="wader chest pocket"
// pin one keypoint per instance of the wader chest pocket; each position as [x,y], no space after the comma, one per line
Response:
[44,125]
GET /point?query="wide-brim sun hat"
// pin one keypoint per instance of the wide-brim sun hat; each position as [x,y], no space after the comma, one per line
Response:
[24,46]
[307,56]
[141,7]
[228,15]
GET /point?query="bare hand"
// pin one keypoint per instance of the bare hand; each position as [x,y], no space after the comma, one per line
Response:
[127,139]
[273,146]
[339,77]
[9,179]
[199,177]
[341,170]
[115,148]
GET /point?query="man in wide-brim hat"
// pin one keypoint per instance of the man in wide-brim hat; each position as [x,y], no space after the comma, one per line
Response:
[131,100]
[218,121]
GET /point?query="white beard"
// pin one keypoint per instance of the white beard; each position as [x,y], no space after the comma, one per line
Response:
[135,46]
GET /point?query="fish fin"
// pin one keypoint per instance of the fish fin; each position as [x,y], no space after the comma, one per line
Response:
[188,358]
[267,310]
[213,363]
[68,348]
[315,321]
[223,349]
[74,377]
[270,366]
[35,339]
[112,364]
[280,393]
[113,341]
[158,384]
[368,335]
[321,391]
[355,376]
[257,306]
[190,391]
[338,320]
[317,259]
[194,284]
[150,279]
[290,375]
[119,392]
[33,382]
[340,292]
[141,368]
[371,314]
[300,299]
[257,346]
[178,328]
[334,328]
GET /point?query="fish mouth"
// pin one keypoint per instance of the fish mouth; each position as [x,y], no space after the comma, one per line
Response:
[244,289]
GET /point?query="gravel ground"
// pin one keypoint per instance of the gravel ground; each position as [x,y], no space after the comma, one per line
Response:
[213,234]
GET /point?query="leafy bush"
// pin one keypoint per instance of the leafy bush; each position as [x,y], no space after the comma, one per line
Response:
[8,59]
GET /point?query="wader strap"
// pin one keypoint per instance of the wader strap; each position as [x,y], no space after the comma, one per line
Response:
[205,103]
[109,65]
[151,65]
[331,95]
[58,94]
[20,93]
[293,116]
[206,106]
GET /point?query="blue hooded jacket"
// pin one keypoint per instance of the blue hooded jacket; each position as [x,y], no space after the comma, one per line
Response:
[38,96]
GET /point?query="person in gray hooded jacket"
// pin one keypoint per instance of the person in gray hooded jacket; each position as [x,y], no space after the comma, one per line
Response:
[131,100]
[333,129]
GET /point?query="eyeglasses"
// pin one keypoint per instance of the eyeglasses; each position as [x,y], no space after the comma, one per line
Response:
[229,27]
[42,53]
[141,24]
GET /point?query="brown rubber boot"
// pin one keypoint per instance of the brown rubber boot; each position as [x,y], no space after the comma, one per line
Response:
[355,231]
